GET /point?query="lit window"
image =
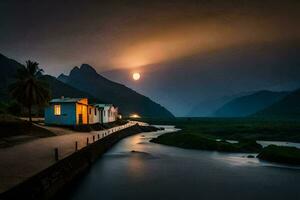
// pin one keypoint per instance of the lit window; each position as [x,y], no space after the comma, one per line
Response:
[57,110]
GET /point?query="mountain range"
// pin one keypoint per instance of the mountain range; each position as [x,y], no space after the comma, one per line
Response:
[263,104]
[85,82]
[287,107]
[249,104]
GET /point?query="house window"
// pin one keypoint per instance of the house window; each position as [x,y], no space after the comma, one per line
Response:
[57,110]
[90,111]
[95,111]
[104,113]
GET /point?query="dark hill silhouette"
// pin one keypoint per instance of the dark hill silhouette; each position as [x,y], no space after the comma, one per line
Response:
[59,89]
[87,79]
[288,107]
[9,68]
[249,104]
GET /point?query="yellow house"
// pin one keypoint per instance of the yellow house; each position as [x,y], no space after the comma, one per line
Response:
[82,111]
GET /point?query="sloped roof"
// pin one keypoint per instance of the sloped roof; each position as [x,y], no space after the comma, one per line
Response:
[104,105]
[66,100]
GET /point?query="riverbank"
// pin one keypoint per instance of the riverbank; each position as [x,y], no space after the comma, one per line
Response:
[166,172]
[192,141]
[22,161]
[236,128]
[215,134]
[50,180]
[272,153]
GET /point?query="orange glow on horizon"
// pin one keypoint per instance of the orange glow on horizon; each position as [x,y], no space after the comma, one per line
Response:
[197,37]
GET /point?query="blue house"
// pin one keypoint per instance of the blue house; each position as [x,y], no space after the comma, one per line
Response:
[68,111]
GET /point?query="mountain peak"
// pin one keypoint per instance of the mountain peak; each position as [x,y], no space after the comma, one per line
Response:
[63,78]
[74,70]
[87,69]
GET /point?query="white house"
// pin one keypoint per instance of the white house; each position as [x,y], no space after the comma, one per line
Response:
[109,113]
[113,114]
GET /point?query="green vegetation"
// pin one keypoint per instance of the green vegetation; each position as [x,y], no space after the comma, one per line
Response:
[280,154]
[201,133]
[236,128]
[194,141]
[28,89]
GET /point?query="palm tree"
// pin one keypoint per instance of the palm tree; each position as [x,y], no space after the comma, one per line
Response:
[28,89]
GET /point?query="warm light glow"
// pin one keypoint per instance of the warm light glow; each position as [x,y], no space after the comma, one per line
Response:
[134,116]
[57,110]
[136,76]
[81,114]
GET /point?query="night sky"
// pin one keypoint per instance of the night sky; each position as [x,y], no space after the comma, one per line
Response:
[124,36]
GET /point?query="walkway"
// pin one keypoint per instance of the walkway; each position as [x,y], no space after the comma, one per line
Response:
[22,161]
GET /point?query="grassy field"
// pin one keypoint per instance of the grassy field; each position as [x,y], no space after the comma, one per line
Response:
[236,128]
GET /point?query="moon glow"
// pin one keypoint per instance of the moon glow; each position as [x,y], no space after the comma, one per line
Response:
[136,76]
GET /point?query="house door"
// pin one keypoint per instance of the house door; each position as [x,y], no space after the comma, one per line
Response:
[80,119]
[101,116]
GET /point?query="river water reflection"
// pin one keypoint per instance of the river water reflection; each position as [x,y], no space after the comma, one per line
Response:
[137,169]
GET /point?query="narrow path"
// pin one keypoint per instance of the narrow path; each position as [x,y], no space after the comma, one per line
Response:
[23,161]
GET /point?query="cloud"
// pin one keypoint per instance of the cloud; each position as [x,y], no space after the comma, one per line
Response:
[202,36]
[132,33]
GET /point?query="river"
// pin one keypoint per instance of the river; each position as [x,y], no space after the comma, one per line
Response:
[137,169]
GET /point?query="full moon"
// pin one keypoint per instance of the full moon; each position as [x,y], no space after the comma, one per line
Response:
[136,76]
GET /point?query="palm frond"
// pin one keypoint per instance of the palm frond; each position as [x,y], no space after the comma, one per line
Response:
[28,89]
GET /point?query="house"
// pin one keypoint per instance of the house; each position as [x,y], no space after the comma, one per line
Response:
[113,113]
[67,111]
[77,111]
[94,114]
[109,113]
